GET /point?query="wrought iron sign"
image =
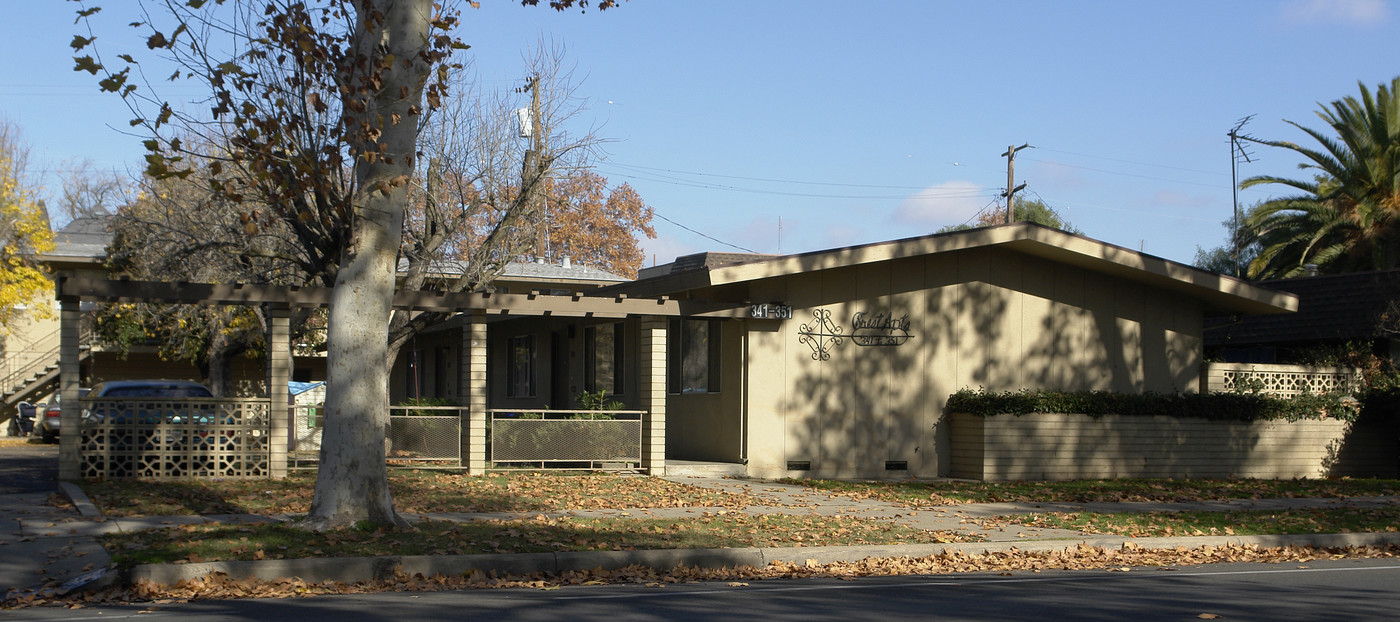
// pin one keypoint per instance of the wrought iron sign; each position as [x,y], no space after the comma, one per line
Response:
[821,335]
[878,329]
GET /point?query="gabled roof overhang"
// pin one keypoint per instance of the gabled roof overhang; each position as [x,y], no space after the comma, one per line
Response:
[1218,292]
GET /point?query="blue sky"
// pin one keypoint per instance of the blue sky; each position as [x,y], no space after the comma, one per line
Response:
[854,122]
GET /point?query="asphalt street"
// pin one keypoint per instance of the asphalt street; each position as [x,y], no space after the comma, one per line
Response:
[1321,590]
[29,467]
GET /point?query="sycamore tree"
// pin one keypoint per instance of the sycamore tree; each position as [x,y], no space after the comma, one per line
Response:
[592,223]
[24,231]
[175,230]
[319,109]
[87,191]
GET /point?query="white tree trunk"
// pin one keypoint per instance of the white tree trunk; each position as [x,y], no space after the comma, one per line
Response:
[352,484]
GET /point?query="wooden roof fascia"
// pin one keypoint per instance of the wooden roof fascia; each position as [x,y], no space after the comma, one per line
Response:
[1217,290]
[79,288]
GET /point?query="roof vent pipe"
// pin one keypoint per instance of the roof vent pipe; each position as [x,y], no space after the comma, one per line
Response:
[1311,269]
[567,264]
[540,260]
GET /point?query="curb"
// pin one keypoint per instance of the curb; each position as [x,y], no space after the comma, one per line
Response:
[359,569]
[80,500]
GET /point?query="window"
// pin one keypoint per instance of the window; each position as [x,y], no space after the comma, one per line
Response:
[693,356]
[603,353]
[520,380]
[413,376]
[442,370]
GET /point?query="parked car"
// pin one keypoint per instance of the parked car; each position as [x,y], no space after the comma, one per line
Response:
[164,406]
[52,420]
[155,389]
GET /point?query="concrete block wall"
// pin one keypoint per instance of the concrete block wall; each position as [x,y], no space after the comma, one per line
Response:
[1044,446]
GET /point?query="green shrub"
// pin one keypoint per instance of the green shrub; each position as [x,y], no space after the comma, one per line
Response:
[427,401]
[598,401]
[1214,406]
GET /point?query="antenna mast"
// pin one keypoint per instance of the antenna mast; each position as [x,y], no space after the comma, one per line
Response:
[1237,151]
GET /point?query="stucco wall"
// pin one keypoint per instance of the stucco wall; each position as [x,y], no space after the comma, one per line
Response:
[1058,447]
[984,317]
[709,426]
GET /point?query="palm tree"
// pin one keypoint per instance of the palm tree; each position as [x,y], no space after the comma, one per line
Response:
[1347,217]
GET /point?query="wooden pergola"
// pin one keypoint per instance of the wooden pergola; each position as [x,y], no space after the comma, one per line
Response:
[278,301]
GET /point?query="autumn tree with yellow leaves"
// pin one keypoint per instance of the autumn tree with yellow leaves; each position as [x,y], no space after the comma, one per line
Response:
[24,232]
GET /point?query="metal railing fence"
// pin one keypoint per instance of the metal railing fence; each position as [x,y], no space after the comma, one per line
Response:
[565,439]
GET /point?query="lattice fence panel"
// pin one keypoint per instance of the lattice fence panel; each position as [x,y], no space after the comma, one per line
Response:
[125,438]
[1281,380]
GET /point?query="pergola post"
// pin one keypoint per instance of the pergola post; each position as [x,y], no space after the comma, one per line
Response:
[473,369]
[279,368]
[69,361]
[652,387]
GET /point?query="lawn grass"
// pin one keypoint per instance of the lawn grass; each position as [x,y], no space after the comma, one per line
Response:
[941,493]
[1229,523]
[724,529]
[415,491]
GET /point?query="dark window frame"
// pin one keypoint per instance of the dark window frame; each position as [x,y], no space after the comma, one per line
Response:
[679,349]
[590,363]
[514,382]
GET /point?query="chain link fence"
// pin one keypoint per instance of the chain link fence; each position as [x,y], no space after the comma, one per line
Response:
[418,436]
[565,439]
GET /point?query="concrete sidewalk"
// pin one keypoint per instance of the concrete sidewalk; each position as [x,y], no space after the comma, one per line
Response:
[53,549]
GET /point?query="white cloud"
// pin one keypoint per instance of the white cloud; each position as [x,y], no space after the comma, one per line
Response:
[943,204]
[1352,12]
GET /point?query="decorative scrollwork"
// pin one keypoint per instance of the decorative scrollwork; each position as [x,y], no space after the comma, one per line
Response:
[821,335]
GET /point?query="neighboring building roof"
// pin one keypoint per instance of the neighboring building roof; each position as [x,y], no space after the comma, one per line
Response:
[576,272]
[1332,307]
[82,241]
[701,261]
[529,271]
[1218,292]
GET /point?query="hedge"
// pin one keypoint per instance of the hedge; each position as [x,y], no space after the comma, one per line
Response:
[1213,406]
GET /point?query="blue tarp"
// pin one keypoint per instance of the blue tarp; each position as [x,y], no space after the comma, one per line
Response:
[297,388]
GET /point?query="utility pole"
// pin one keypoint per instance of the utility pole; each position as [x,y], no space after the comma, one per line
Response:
[1011,187]
[532,169]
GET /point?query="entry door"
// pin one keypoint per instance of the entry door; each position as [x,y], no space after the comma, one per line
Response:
[559,397]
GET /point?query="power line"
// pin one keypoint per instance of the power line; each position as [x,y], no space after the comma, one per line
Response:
[703,235]
[764,179]
[1099,170]
[1177,168]
[968,193]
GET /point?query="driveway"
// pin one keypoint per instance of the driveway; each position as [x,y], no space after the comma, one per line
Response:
[28,467]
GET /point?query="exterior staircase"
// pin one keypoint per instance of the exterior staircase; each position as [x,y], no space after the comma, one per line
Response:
[31,374]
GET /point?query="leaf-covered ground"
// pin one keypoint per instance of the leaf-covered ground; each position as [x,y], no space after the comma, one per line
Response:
[415,492]
[1231,523]
[722,529]
[1129,558]
[940,493]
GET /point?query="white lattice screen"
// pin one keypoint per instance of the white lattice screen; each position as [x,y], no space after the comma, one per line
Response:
[125,438]
[1280,380]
